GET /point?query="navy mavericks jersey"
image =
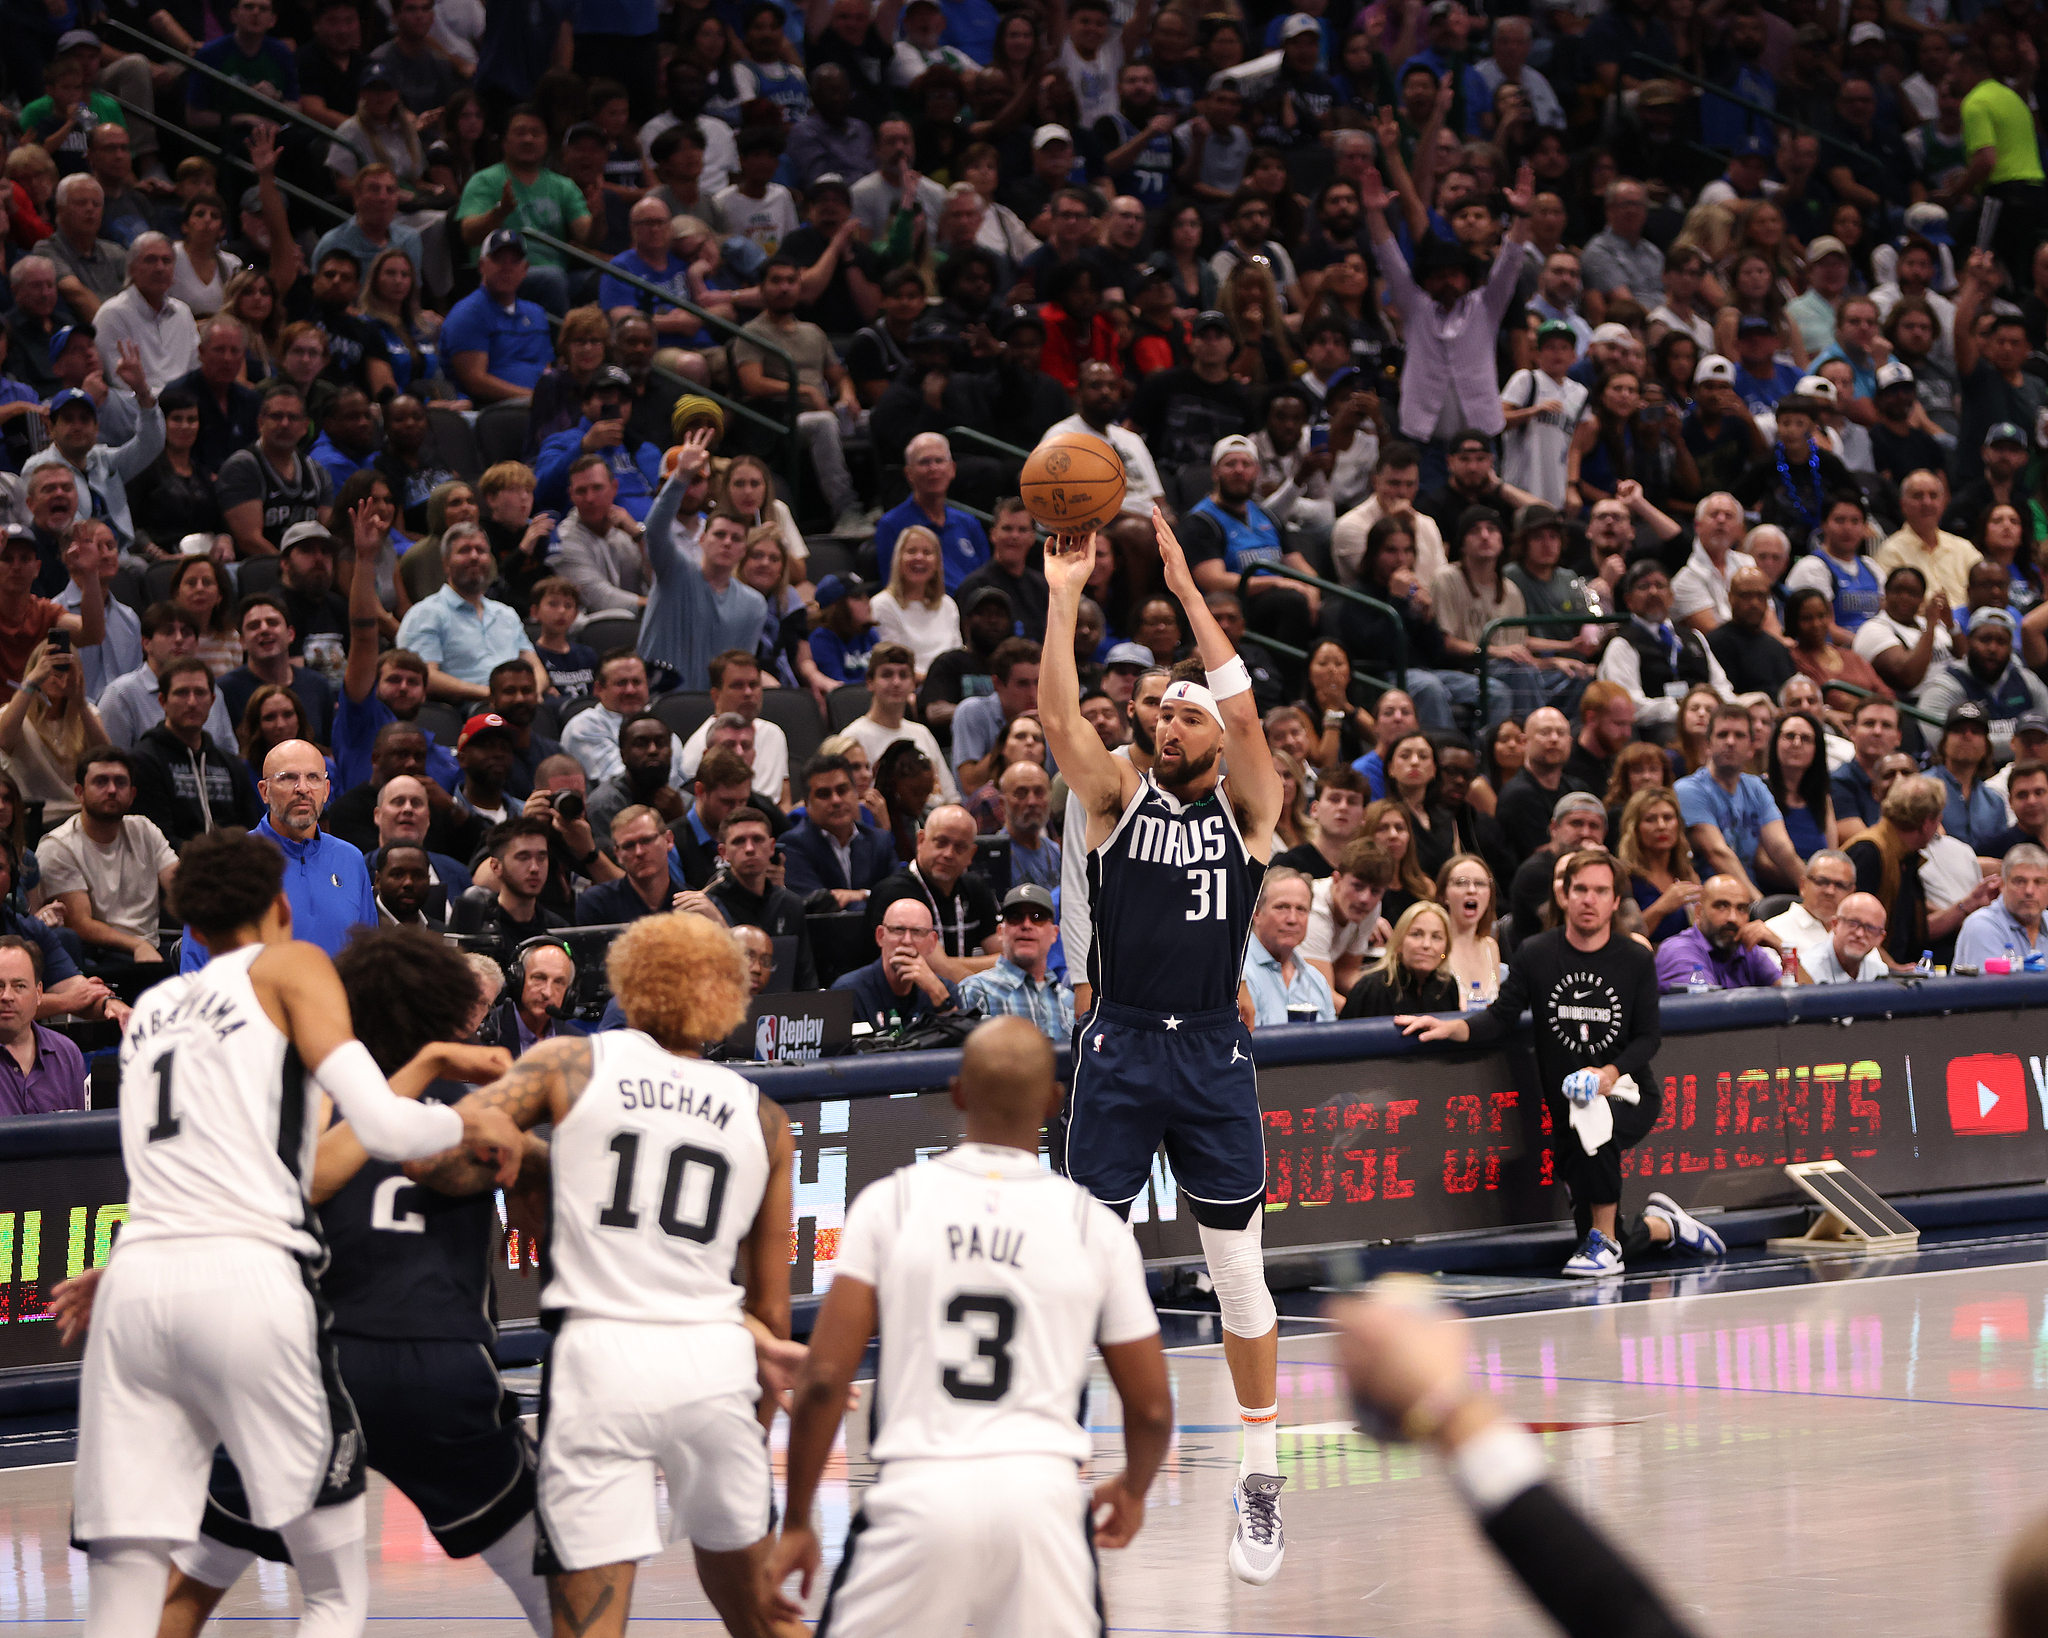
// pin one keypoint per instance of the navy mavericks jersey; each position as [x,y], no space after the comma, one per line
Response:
[1172,891]
[408,1262]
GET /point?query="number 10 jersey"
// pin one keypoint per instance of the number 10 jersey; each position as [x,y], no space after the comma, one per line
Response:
[993,1280]
[1172,890]
[658,1172]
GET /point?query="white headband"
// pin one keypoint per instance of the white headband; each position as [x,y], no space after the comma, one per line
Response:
[1192,693]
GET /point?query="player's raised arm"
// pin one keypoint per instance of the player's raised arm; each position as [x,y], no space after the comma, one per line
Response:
[1092,774]
[1254,786]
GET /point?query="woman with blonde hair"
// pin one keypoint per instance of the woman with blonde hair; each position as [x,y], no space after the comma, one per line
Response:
[44,726]
[1251,302]
[1386,822]
[390,300]
[1471,899]
[1411,974]
[420,571]
[748,488]
[1638,766]
[251,300]
[1293,828]
[914,608]
[1654,851]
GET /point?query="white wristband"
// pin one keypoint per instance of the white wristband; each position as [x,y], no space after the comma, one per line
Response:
[1230,678]
[1496,1465]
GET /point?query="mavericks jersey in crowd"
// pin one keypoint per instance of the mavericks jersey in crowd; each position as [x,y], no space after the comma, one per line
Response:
[1172,891]
[993,1279]
[658,1171]
[409,1262]
[217,1120]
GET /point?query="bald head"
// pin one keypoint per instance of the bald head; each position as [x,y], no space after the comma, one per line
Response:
[1005,1085]
[1859,928]
[294,788]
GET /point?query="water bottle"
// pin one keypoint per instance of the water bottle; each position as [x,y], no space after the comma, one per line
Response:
[1477,1003]
[1698,983]
[1925,965]
[1787,978]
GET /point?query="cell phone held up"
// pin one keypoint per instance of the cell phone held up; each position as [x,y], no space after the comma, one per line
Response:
[58,643]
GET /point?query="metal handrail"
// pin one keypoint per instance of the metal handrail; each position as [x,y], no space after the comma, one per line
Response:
[1671,71]
[285,113]
[1859,692]
[1288,571]
[1556,620]
[792,399]
[973,435]
[215,152]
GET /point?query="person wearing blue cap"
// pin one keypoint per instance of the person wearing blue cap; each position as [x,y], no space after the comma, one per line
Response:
[1749,157]
[496,343]
[101,471]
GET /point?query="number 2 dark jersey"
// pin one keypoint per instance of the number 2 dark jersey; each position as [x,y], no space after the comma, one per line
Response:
[1172,890]
[406,1261]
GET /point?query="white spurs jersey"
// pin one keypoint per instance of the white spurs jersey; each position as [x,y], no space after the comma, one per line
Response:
[219,1118]
[658,1173]
[993,1280]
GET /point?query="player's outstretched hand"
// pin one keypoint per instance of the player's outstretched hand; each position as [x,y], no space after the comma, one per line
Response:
[460,1061]
[489,1134]
[796,1553]
[1118,1512]
[1180,579]
[1069,561]
[71,1304]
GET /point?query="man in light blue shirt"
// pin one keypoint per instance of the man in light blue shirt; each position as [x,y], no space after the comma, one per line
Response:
[1018,986]
[461,634]
[2010,925]
[1729,815]
[1284,989]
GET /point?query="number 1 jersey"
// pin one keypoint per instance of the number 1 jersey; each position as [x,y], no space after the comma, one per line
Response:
[658,1173]
[993,1280]
[1172,890]
[217,1114]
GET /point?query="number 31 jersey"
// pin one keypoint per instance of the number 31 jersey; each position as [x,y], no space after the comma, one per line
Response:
[993,1280]
[1172,889]
[658,1173]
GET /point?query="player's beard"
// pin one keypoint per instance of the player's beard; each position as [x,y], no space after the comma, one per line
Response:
[1141,736]
[1179,778]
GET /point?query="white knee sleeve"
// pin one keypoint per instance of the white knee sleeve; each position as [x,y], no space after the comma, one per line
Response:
[511,1560]
[212,1563]
[1237,1271]
[125,1581]
[334,1583]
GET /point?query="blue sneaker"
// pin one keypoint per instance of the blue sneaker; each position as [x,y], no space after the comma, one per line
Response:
[1598,1259]
[1686,1230]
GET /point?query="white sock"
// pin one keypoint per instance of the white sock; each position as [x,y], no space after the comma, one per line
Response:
[334,1582]
[1261,1440]
[125,1582]
[511,1560]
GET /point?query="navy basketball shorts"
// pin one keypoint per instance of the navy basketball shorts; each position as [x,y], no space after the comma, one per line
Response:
[1183,1082]
[438,1423]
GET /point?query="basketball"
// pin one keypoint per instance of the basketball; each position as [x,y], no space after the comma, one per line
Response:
[1073,482]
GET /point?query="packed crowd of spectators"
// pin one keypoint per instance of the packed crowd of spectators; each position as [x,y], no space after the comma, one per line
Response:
[1710,340]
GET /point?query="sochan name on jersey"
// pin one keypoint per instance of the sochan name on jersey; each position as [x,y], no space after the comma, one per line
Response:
[1160,841]
[794,1039]
[675,1098]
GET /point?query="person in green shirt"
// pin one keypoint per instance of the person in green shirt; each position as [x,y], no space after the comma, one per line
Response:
[2005,158]
[523,193]
[62,121]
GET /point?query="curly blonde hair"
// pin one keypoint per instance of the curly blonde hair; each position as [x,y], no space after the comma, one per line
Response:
[679,978]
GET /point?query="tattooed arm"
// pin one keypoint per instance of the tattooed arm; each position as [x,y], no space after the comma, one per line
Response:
[341,1153]
[543,1086]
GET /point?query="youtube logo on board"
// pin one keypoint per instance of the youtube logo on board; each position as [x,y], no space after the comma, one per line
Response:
[1987,1095]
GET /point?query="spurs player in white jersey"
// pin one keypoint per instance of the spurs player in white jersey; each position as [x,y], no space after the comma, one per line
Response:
[208,1328]
[990,1280]
[665,1173]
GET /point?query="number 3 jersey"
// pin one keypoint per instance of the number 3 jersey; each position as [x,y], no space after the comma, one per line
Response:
[1172,890]
[993,1279]
[658,1172]
[218,1123]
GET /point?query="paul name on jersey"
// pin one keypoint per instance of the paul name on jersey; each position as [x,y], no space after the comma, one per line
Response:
[1003,1245]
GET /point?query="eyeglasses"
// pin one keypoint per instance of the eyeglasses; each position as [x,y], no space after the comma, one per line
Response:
[896,931]
[1024,913]
[293,782]
[1831,886]
[1866,928]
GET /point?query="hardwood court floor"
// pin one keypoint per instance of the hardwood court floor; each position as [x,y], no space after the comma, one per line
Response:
[1845,1457]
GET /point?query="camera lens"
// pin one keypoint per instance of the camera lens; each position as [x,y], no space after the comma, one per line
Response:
[569,804]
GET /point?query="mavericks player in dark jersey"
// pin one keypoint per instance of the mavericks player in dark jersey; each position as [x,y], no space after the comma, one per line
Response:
[408,1288]
[1175,857]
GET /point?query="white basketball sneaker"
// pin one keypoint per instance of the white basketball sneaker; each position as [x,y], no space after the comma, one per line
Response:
[1260,1542]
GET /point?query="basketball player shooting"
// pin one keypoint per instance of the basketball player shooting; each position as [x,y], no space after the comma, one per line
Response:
[1175,858]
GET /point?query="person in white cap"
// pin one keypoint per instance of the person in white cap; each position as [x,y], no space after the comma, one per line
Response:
[1905,437]
[1228,531]
[1719,430]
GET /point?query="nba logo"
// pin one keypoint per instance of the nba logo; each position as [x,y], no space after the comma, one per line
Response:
[764,1039]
